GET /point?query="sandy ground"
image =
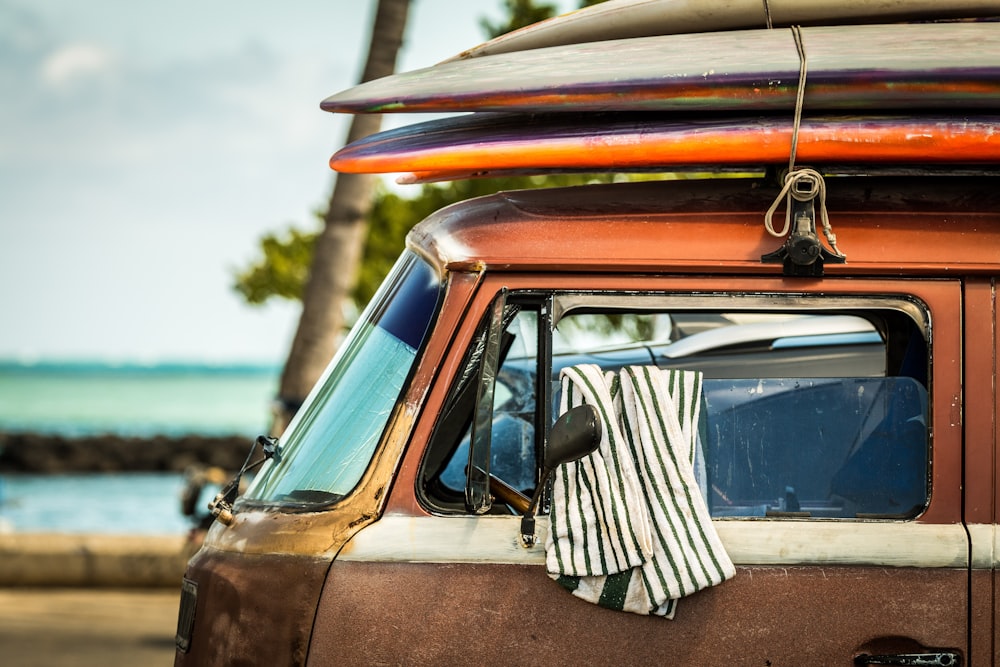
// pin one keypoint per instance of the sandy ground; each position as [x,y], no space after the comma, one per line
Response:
[87,627]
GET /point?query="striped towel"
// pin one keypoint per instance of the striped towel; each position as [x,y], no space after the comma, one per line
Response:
[629,527]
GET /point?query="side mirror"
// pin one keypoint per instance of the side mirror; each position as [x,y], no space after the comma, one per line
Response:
[575,434]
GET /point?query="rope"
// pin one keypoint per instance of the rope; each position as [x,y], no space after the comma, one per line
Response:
[793,177]
[812,181]
[799,96]
[767,16]
[815,187]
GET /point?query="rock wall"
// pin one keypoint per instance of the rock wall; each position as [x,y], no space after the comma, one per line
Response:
[38,453]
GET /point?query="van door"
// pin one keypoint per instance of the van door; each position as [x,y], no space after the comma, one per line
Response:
[982,466]
[830,458]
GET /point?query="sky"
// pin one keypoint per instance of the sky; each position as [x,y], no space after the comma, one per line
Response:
[146,147]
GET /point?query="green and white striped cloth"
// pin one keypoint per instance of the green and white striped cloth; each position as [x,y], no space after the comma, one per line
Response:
[629,527]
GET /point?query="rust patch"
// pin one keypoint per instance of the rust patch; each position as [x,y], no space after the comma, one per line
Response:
[363,519]
[241,594]
[426,613]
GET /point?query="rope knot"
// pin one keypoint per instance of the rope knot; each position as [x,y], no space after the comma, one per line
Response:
[803,185]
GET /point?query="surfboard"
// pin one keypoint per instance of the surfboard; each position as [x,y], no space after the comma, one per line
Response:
[514,144]
[623,19]
[863,67]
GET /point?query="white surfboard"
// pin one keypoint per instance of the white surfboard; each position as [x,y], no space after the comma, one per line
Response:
[623,19]
[864,67]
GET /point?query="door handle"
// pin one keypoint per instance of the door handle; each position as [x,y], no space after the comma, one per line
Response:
[939,659]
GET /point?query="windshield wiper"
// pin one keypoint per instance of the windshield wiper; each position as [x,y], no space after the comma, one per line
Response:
[221,506]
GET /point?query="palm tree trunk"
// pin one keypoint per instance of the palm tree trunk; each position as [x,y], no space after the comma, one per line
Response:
[338,250]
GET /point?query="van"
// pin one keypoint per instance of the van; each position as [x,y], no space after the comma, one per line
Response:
[357,544]
[821,485]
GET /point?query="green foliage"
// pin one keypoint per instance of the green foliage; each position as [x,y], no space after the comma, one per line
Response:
[520,13]
[619,328]
[282,266]
[392,216]
[281,269]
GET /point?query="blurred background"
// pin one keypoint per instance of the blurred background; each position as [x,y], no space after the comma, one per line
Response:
[145,151]
[151,157]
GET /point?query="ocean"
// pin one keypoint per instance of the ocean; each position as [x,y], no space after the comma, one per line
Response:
[106,503]
[77,399]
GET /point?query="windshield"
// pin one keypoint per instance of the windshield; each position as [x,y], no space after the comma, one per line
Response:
[330,444]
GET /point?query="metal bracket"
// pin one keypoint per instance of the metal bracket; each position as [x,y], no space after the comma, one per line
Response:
[221,506]
[802,254]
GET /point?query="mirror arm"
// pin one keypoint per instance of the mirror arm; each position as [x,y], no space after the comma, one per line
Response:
[528,537]
[577,433]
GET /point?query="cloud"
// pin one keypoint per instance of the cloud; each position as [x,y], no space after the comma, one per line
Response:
[148,146]
[75,63]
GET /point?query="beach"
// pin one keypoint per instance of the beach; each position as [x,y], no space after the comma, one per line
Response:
[87,600]
[87,627]
[92,538]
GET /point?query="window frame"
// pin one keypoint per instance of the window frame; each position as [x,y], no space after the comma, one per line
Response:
[633,293]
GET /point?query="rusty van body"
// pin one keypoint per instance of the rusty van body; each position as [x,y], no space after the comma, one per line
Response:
[357,543]
[838,458]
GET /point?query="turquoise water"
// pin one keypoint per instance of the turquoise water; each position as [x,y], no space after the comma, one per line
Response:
[87,399]
[132,503]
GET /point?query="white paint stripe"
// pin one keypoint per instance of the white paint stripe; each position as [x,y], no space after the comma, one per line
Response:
[494,539]
[985,545]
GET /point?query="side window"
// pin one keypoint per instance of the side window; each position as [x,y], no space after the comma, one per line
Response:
[807,412]
[514,447]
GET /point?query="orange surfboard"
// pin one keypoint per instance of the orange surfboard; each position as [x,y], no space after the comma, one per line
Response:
[495,144]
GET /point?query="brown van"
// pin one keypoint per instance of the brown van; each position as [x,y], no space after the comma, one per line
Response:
[848,437]
[624,424]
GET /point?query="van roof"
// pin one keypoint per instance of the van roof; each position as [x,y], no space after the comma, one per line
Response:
[924,225]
